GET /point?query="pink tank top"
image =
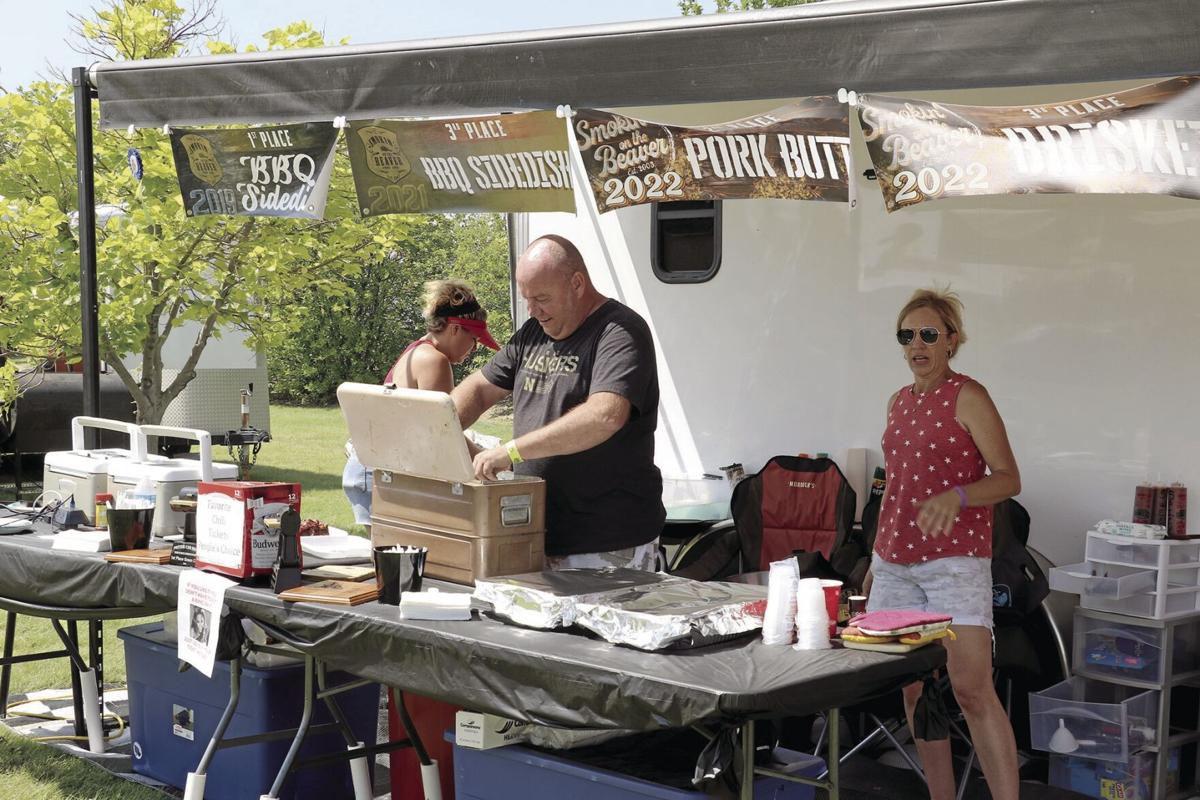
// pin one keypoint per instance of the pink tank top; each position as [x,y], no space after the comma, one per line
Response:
[387,379]
[926,451]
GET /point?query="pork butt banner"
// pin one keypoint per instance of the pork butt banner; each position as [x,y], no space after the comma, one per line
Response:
[799,152]
[501,162]
[273,171]
[1144,140]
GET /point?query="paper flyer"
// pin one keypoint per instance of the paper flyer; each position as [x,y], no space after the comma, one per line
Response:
[201,598]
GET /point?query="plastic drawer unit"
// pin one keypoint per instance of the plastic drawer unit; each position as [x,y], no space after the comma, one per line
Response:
[504,773]
[172,716]
[1131,781]
[1128,651]
[1092,719]
[1157,579]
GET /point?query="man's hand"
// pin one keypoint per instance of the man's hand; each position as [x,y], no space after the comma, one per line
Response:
[489,462]
[935,516]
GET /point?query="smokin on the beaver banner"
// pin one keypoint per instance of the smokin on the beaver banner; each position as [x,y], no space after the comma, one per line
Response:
[1144,140]
[798,152]
[501,162]
[272,171]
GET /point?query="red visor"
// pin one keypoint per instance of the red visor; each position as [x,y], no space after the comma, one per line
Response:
[477,328]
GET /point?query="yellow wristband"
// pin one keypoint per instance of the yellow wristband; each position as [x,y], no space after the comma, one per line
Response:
[514,455]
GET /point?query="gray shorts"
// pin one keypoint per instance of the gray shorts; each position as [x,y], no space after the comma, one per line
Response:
[960,586]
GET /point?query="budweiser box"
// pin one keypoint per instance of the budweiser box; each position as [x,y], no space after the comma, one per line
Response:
[231,536]
[484,731]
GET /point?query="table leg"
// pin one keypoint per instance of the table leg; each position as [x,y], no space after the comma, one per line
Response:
[747,792]
[833,721]
[10,631]
[71,642]
[301,729]
[195,780]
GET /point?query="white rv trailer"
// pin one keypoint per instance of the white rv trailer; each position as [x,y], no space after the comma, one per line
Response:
[1080,309]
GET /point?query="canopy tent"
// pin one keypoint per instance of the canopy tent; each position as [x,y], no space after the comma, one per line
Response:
[866,45]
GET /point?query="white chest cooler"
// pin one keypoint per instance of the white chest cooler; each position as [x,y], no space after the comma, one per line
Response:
[83,474]
[168,475]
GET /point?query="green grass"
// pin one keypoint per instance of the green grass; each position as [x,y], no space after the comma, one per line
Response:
[33,771]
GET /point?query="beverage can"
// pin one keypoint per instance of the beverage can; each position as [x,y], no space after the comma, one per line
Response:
[1143,503]
[1177,521]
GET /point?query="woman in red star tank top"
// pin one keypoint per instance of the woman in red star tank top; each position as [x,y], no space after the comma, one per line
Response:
[948,461]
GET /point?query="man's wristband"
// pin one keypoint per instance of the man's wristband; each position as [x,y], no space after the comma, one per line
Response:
[514,455]
[962,496]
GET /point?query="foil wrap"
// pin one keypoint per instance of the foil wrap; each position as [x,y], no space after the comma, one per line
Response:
[646,610]
[548,600]
[675,613]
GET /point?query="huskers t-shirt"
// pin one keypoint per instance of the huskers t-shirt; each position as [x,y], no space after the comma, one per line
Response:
[610,496]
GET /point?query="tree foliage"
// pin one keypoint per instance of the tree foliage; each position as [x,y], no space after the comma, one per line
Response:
[357,334]
[161,273]
[696,7]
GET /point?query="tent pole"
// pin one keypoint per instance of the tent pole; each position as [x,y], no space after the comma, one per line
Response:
[88,304]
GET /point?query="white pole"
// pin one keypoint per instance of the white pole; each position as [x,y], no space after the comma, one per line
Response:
[194,790]
[91,711]
[361,776]
[431,780]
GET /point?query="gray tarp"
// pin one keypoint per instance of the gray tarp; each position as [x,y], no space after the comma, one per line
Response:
[866,45]
[556,678]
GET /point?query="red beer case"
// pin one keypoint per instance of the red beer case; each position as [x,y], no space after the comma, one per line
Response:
[231,536]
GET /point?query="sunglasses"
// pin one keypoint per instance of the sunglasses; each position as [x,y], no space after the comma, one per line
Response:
[905,336]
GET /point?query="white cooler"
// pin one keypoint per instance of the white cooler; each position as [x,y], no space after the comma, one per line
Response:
[168,475]
[83,474]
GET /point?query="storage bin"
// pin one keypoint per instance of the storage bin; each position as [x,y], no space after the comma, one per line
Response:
[1133,780]
[1105,721]
[1102,580]
[515,771]
[1128,650]
[1151,605]
[172,716]
[1141,552]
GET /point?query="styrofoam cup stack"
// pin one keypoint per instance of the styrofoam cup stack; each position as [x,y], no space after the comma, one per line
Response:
[812,620]
[779,620]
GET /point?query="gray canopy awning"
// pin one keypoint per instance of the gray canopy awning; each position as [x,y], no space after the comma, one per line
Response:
[866,45]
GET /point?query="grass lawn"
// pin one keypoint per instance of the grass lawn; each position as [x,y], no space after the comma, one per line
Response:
[33,771]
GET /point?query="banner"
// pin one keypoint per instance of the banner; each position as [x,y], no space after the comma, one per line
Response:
[504,162]
[796,152]
[1145,140]
[276,171]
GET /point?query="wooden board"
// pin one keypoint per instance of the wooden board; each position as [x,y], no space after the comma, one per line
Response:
[406,430]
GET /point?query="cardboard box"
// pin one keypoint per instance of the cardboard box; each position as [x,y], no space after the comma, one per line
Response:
[231,538]
[481,731]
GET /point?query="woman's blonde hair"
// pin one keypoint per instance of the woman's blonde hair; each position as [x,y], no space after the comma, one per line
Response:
[945,304]
[445,298]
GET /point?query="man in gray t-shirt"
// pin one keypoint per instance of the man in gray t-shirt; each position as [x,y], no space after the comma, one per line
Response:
[585,391]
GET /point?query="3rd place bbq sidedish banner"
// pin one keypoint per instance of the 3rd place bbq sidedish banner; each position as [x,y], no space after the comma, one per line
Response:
[509,162]
[797,152]
[275,171]
[1144,140]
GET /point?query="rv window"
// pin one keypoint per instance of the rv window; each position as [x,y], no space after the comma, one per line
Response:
[685,240]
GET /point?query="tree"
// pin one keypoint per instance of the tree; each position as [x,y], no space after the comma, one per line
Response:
[157,268]
[357,334]
[696,7]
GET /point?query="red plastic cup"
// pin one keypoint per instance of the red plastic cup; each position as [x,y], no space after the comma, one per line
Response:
[833,596]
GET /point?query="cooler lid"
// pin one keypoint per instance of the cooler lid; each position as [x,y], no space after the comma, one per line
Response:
[81,462]
[412,431]
[167,470]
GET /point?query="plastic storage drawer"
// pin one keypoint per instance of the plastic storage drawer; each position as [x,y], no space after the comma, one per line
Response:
[1130,651]
[172,716]
[504,773]
[1130,781]
[1140,552]
[1151,605]
[1101,720]
[1102,580]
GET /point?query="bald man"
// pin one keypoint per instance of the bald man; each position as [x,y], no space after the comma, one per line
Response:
[585,392]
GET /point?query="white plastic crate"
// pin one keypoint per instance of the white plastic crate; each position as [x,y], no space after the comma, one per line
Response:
[1104,721]
[1173,564]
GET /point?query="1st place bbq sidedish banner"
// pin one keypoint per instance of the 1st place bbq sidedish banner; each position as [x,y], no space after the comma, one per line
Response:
[1144,140]
[503,162]
[797,152]
[276,171]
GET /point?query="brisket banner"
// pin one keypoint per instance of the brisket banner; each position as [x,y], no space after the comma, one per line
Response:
[796,152]
[276,171]
[1144,140]
[508,162]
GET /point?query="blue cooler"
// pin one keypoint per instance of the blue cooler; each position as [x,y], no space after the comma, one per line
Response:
[172,716]
[504,773]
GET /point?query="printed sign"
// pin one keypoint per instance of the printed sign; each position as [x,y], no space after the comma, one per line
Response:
[1145,140]
[277,171]
[796,152]
[505,162]
[200,600]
